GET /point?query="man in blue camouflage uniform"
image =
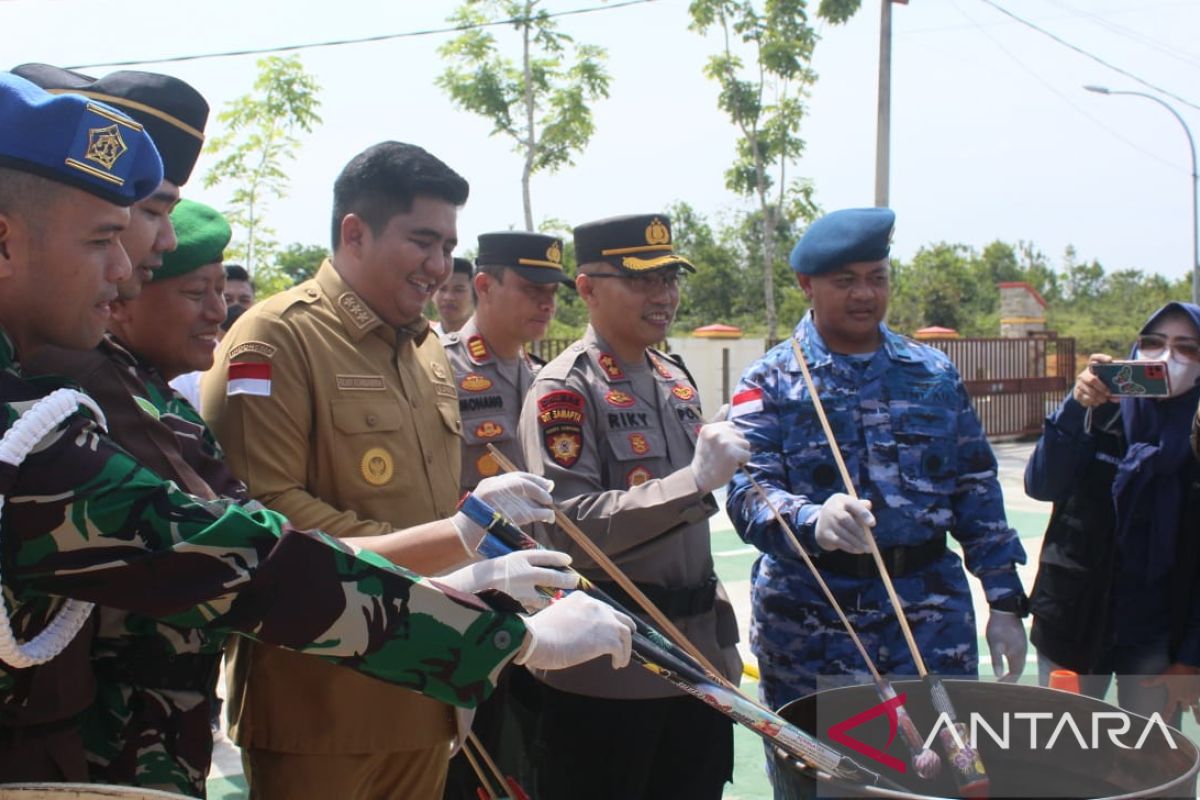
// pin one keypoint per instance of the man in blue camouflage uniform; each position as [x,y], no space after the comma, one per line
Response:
[920,463]
[85,520]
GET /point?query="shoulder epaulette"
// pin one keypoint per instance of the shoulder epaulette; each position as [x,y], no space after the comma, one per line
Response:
[560,366]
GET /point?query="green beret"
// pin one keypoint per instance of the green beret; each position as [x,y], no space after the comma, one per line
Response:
[203,234]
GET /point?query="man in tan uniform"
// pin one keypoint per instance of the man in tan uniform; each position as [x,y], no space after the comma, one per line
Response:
[516,277]
[338,408]
[618,427]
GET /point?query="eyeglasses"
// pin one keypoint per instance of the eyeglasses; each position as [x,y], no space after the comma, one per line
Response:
[647,283]
[1152,344]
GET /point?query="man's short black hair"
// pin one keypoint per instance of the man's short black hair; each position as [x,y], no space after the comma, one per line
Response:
[383,180]
[236,272]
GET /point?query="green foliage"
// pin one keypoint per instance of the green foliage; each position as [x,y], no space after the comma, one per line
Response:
[763,73]
[257,142]
[541,101]
[294,264]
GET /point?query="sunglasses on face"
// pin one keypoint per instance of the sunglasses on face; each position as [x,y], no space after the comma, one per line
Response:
[1151,344]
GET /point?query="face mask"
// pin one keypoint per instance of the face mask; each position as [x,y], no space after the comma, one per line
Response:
[1184,372]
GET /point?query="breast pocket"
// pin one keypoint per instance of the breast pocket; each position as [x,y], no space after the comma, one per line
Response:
[927,448]
[371,436]
[638,457]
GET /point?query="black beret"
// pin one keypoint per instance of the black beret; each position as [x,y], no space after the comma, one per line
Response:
[844,237]
[635,243]
[171,111]
[536,257]
[76,141]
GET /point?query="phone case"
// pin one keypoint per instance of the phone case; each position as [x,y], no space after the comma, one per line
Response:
[1135,378]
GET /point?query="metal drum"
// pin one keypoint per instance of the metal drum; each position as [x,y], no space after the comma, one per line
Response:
[79,791]
[1029,762]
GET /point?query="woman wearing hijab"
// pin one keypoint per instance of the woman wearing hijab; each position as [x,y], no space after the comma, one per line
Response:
[1116,589]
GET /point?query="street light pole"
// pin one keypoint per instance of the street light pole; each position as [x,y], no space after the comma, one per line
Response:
[1195,179]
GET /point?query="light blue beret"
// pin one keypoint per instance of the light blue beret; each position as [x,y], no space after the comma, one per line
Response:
[844,237]
[73,140]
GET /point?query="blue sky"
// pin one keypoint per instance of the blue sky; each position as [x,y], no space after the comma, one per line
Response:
[992,135]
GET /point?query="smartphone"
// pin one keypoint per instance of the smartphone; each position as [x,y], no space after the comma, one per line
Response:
[1135,378]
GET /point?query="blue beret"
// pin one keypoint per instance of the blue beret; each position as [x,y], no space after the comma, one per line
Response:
[844,237]
[80,142]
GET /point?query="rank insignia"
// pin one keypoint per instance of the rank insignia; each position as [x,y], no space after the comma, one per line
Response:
[489,430]
[637,476]
[661,369]
[475,382]
[477,348]
[487,466]
[609,365]
[377,466]
[618,399]
[560,415]
[683,392]
[639,444]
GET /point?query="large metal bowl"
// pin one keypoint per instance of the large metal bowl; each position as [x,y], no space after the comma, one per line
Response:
[1025,767]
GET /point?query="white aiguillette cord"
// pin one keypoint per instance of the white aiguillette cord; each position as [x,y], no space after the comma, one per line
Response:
[30,428]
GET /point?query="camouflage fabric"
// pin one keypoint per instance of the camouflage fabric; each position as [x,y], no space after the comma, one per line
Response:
[915,449]
[149,725]
[83,519]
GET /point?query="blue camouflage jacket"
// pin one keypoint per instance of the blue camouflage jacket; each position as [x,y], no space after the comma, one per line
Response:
[911,441]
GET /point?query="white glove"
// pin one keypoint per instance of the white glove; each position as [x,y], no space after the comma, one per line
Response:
[1005,634]
[720,449]
[517,574]
[840,521]
[576,629]
[520,496]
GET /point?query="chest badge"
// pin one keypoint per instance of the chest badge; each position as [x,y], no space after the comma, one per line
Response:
[486,466]
[377,466]
[683,392]
[475,383]
[489,430]
[619,399]
[637,476]
[639,444]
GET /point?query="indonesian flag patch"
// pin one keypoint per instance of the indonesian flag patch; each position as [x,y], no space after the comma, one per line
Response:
[746,402]
[249,378]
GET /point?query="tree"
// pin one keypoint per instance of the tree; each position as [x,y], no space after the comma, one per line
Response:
[765,103]
[258,139]
[294,264]
[541,101]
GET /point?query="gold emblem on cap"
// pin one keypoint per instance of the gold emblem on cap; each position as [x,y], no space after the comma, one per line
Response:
[657,232]
[105,146]
[377,466]
[554,253]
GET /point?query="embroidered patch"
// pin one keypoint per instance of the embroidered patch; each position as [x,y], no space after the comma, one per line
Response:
[445,389]
[249,377]
[639,444]
[258,348]
[560,414]
[357,383]
[477,348]
[474,382]
[359,313]
[487,466]
[489,430]
[661,368]
[618,399]
[748,401]
[609,365]
[683,392]
[377,466]
[637,476]
[438,370]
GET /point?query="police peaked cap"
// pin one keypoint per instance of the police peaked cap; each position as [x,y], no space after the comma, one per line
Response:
[844,237]
[203,234]
[73,140]
[634,244]
[463,266]
[171,111]
[536,257]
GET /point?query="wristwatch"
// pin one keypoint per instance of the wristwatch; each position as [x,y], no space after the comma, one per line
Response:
[1013,604]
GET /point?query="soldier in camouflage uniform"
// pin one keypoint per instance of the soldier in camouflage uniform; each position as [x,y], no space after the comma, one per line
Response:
[85,520]
[920,462]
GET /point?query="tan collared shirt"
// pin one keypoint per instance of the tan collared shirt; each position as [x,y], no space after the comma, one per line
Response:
[359,435]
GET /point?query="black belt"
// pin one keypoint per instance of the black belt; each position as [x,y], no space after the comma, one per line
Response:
[181,672]
[674,601]
[900,561]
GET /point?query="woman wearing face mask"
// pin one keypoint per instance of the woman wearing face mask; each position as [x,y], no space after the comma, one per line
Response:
[1118,584]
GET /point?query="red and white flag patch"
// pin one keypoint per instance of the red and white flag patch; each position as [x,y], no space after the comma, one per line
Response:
[748,401]
[249,378]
